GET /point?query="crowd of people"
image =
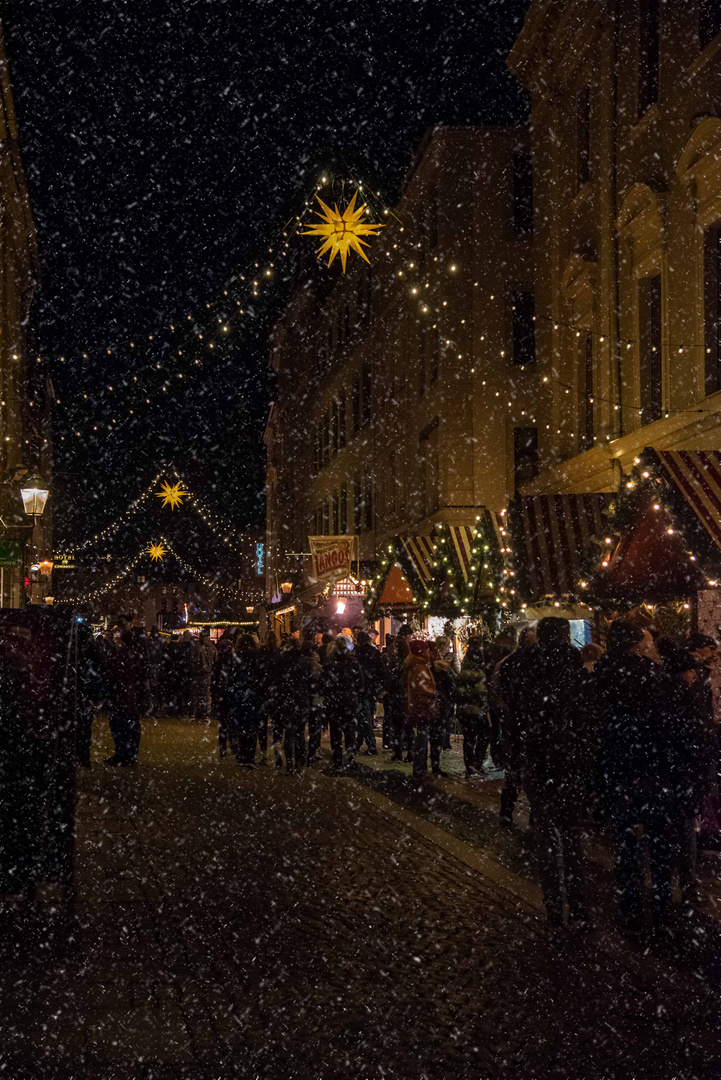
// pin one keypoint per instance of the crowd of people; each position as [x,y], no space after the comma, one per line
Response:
[621,738]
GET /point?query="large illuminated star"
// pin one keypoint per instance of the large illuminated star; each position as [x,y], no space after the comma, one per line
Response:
[342,231]
[156,552]
[171,496]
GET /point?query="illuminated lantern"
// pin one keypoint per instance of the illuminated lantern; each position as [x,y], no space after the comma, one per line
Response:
[34,493]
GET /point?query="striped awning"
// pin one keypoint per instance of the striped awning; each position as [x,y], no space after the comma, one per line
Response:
[696,474]
[419,549]
[462,537]
[555,533]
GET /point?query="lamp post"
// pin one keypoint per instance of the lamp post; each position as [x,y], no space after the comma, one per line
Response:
[34,494]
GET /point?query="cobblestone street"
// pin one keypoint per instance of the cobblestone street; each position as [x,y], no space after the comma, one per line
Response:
[236,923]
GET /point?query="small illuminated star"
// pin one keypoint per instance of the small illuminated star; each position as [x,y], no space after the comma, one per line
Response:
[171,496]
[342,231]
[156,552]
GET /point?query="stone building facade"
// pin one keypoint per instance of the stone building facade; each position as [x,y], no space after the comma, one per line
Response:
[626,138]
[406,390]
[25,390]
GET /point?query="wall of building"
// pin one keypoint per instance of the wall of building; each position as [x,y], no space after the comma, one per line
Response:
[399,391]
[627,184]
[25,435]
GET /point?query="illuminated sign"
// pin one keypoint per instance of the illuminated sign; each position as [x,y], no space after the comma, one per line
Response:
[259,558]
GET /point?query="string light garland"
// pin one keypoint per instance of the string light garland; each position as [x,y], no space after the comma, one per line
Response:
[230,535]
[166,547]
[203,344]
[643,487]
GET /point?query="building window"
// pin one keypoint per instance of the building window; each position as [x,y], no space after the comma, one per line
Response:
[583,137]
[343,510]
[650,355]
[356,404]
[368,504]
[326,517]
[391,483]
[585,395]
[341,421]
[430,222]
[367,395]
[522,165]
[334,428]
[421,361]
[648,52]
[336,514]
[326,438]
[525,455]
[709,21]
[357,505]
[712,307]
[524,328]
[316,456]
[319,446]
[435,354]
[428,448]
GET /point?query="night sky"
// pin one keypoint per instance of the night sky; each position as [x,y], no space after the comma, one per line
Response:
[165,142]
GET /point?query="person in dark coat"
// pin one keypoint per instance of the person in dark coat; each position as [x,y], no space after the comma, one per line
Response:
[554,758]
[504,678]
[315,714]
[639,765]
[394,702]
[220,694]
[445,690]
[493,653]
[92,691]
[243,698]
[691,759]
[297,678]
[371,665]
[422,715]
[472,707]
[154,650]
[128,684]
[270,659]
[341,687]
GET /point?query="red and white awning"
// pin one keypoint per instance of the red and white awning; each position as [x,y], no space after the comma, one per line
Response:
[557,530]
[419,550]
[697,476]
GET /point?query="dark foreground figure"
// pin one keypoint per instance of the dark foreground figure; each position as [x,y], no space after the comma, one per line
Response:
[235,923]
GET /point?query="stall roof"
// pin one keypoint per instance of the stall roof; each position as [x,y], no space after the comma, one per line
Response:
[551,535]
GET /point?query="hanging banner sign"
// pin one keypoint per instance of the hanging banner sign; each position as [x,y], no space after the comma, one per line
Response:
[331,555]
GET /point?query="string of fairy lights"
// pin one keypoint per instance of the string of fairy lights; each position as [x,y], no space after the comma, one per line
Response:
[259,274]
[202,347]
[222,529]
[156,552]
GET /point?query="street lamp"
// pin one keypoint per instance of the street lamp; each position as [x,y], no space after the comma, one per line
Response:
[34,494]
[287,587]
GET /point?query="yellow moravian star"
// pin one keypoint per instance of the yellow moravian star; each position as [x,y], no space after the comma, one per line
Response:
[156,552]
[342,231]
[171,496]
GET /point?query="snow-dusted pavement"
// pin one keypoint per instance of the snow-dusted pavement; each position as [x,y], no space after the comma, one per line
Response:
[236,923]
